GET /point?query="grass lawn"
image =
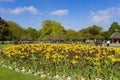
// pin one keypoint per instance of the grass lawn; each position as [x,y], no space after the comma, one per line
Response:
[7,74]
[4,45]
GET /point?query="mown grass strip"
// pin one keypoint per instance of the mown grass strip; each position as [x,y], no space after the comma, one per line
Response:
[4,45]
[7,74]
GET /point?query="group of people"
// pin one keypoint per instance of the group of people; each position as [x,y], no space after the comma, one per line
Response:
[102,43]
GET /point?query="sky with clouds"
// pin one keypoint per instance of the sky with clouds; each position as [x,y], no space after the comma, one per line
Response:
[72,14]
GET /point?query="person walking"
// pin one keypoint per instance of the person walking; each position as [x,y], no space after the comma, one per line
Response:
[108,43]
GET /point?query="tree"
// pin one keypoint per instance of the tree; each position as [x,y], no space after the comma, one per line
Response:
[19,33]
[106,34]
[33,33]
[114,26]
[4,30]
[46,28]
[85,34]
[47,38]
[26,37]
[91,32]
[16,30]
[52,28]
[95,30]
[71,35]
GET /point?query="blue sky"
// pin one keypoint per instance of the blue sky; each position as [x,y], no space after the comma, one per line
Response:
[72,14]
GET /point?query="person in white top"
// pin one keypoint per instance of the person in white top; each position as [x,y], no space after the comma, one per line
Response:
[108,43]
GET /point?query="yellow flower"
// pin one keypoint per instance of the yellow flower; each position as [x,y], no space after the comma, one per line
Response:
[74,62]
[22,56]
[106,62]
[96,63]
[54,60]
[47,56]
[76,56]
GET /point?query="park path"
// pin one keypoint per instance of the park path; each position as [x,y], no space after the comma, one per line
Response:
[114,44]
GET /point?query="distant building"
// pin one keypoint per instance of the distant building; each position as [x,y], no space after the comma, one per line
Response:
[115,37]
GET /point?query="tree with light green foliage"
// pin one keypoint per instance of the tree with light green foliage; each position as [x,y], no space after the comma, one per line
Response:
[72,35]
[33,33]
[16,30]
[52,28]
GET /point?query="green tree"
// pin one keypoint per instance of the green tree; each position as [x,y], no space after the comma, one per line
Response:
[95,30]
[52,29]
[106,34]
[72,35]
[4,30]
[91,32]
[16,30]
[46,28]
[33,33]
[26,37]
[85,34]
[48,38]
[114,26]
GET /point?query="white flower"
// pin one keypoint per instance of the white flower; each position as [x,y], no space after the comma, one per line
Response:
[38,72]
[4,66]
[43,75]
[57,76]
[68,78]
[49,77]
[10,67]
[30,71]
[35,74]
[82,78]
[27,72]
[23,70]
[16,69]
[98,79]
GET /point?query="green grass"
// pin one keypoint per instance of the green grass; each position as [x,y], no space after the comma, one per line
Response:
[5,45]
[7,74]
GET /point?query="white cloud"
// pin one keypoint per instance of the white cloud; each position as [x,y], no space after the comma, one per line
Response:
[104,16]
[60,12]
[100,17]
[19,10]
[6,0]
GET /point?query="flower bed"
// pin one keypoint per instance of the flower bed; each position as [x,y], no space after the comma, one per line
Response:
[73,61]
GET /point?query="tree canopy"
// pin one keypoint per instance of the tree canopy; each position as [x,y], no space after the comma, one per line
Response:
[4,30]
[92,32]
[33,33]
[16,30]
[53,31]
[114,26]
